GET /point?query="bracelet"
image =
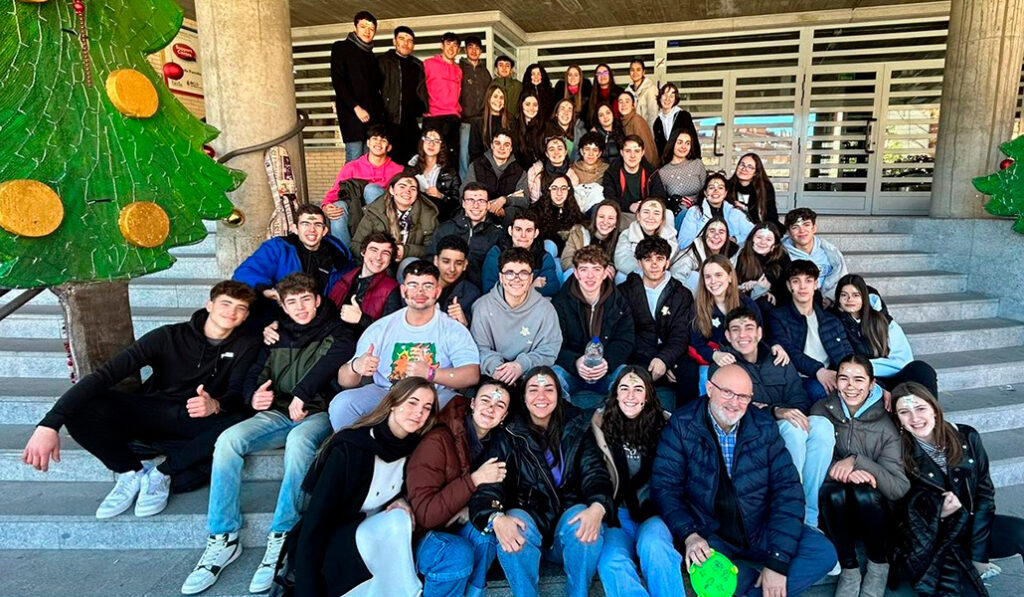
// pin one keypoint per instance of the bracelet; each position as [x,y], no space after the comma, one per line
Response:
[430,374]
[352,366]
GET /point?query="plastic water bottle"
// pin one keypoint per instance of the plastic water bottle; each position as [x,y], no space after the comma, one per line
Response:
[593,354]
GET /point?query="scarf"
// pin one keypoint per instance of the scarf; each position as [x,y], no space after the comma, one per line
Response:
[366,47]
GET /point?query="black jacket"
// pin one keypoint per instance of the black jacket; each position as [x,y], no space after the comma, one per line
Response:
[666,335]
[396,108]
[936,553]
[356,80]
[450,202]
[684,122]
[617,332]
[788,327]
[304,360]
[614,183]
[322,547]
[529,485]
[182,359]
[480,238]
[774,386]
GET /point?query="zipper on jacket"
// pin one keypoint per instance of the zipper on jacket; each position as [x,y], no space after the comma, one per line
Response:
[547,476]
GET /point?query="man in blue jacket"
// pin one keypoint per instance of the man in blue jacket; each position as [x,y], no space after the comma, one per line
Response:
[779,390]
[723,480]
[309,249]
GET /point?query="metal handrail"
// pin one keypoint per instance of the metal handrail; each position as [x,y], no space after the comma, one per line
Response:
[18,301]
[301,123]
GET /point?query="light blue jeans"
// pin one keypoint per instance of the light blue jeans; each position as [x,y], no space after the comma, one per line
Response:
[464,131]
[354,150]
[522,568]
[812,454]
[267,430]
[660,562]
[350,405]
[455,565]
[339,227]
[371,193]
[573,384]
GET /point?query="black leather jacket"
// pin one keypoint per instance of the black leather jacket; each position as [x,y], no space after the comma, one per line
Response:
[529,484]
[936,553]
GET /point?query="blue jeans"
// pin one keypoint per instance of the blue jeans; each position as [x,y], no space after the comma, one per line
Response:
[814,558]
[522,568]
[659,560]
[455,565]
[464,130]
[815,391]
[354,150]
[339,227]
[267,430]
[552,249]
[812,455]
[573,384]
[371,193]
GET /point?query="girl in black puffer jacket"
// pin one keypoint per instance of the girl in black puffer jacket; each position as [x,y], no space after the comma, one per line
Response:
[947,526]
[557,492]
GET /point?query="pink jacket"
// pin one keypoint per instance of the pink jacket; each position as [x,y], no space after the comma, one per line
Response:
[444,84]
[364,170]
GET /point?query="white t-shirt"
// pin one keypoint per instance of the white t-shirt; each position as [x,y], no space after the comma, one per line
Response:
[442,341]
[812,344]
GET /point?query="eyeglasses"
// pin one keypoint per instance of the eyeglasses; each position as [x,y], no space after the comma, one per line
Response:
[430,140]
[559,189]
[415,286]
[475,200]
[511,275]
[316,225]
[730,395]
[742,166]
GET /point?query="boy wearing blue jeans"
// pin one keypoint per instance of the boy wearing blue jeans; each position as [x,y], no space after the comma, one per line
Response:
[289,386]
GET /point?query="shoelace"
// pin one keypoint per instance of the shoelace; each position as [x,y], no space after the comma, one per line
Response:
[274,545]
[214,545]
[151,487]
[123,485]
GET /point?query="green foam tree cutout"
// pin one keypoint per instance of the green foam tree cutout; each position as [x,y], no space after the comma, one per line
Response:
[1006,187]
[61,126]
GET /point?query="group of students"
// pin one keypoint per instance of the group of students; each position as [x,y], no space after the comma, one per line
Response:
[553,361]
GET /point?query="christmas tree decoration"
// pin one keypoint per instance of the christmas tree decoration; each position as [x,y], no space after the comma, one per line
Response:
[102,170]
[173,71]
[29,208]
[144,224]
[1006,187]
[235,219]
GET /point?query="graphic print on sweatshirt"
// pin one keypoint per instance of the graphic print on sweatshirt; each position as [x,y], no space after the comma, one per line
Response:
[402,353]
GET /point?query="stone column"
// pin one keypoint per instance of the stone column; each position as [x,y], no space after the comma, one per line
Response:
[250,96]
[984,50]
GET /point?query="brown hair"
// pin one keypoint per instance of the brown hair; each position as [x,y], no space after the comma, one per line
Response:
[400,393]
[874,326]
[642,432]
[748,264]
[760,183]
[946,436]
[296,283]
[706,303]
[591,254]
[240,291]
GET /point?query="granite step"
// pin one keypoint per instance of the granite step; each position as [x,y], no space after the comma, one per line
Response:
[979,368]
[189,265]
[871,241]
[880,261]
[830,224]
[926,308]
[973,334]
[46,321]
[916,283]
[150,291]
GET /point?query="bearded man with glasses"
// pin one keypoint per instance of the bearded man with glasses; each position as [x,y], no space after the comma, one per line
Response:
[723,480]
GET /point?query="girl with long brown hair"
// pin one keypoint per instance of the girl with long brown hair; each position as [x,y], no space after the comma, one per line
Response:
[762,265]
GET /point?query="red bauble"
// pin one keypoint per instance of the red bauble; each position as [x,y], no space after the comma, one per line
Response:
[1006,163]
[173,71]
[79,7]
[209,151]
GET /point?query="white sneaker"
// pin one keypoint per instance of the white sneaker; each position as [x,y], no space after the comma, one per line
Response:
[154,489]
[121,497]
[264,577]
[221,550]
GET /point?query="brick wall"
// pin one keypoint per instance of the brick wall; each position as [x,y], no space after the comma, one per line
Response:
[322,167]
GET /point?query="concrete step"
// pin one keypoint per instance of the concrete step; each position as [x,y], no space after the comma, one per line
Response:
[918,308]
[881,261]
[33,357]
[46,321]
[829,224]
[198,265]
[871,241]
[207,245]
[995,408]
[916,283]
[978,368]
[24,400]
[967,334]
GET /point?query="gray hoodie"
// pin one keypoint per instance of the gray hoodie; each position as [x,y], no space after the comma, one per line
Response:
[528,334]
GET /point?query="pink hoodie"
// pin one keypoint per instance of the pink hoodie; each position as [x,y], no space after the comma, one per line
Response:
[363,170]
[444,84]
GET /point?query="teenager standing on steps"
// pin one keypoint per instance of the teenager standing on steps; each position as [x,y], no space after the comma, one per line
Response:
[356,81]
[194,393]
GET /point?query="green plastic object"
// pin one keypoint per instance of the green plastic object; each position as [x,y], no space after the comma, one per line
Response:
[58,126]
[1006,187]
[716,577]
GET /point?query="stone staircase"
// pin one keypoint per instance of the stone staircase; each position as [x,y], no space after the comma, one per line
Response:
[47,522]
